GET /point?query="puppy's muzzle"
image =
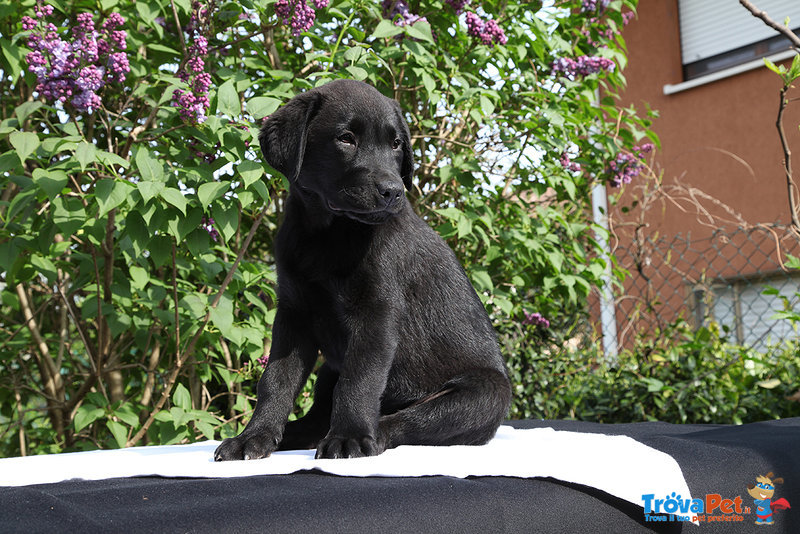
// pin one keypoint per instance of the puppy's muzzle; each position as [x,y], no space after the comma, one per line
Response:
[390,191]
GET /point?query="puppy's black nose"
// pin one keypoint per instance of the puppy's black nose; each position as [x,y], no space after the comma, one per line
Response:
[390,191]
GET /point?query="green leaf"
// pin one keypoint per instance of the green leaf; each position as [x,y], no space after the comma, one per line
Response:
[195,304]
[85,154]
[119,432]
[357,73]
[206,429]
[14,56]
[8,161]
[45,267]
[128,415]
[482,280]
[210,191]
[52,182]
[161,48]
[261,189]
[774,68]
[109,194]
[226,220]
[421,30]
[654,385]
[68,214]
[250,171]
[25,143]
[182,398]
[150,169]
[109,159]
[86,415]
[769,384]
[160,248]
[385,28]
[139,277]
[794,70]
[428,82]
[228,100]
[24,110]
[487,106]
[198,242]
[261,106]
[222,315]
[149,190]
[174,197]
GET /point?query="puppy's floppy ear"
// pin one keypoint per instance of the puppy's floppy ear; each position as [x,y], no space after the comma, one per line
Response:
[283,135]
[407,168]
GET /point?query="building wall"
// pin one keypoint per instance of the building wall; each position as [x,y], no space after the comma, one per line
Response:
[719,138]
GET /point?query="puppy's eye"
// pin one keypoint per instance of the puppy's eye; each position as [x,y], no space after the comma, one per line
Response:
[347,138]
[397,143]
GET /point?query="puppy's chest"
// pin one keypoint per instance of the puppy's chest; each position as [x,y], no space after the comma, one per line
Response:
[338,309]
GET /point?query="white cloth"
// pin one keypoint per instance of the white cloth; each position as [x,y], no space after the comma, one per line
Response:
[617,465]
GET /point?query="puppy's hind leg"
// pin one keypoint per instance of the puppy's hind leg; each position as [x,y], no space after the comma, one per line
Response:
[466,411]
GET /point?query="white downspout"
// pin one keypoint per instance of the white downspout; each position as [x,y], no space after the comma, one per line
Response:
[608,316]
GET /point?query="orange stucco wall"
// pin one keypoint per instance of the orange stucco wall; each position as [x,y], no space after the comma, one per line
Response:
[719,138]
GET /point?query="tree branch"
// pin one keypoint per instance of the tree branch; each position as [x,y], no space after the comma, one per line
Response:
[780,28]
[51,376]
[189,350]
[787,161]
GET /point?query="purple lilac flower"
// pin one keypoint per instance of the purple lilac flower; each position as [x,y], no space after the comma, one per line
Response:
[628,165]
[535,319]
[582,66]
[627,17]
[604,31]
[297,14]
[398,11]
[208,225]
[458,5]
[28,23]
[194,103]
[489,32]
[592,5]
[568,164]
[75,70]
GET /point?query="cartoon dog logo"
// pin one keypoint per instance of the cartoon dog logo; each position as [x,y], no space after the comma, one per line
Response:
[762,492]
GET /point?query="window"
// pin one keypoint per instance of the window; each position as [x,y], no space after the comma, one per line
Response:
[742,307]
[718,34]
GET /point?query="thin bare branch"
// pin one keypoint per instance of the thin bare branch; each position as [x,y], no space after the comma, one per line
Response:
[780,28]
[189,349]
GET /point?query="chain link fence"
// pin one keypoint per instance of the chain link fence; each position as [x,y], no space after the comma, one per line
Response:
[723,278]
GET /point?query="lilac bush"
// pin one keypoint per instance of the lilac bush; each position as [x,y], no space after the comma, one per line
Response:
[458,5]
[628,165]
[132,185]
[398,11]
[535,319]
[486,30]
[74,71]
[193,104]
[298,14]
[582,66]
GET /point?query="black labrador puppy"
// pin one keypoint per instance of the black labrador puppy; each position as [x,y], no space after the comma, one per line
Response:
[410,356]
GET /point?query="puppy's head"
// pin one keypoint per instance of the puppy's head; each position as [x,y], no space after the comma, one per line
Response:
[345,147]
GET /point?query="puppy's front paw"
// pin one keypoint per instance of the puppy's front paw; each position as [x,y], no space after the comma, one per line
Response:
[343,447]
[244,447]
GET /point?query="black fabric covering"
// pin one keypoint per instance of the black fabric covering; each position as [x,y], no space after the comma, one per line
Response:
[715,460]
